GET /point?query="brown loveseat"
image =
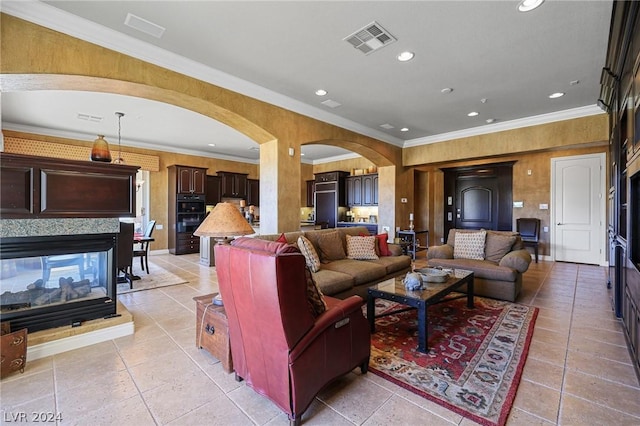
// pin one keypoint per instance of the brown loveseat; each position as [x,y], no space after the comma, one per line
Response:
[345,277]
[499,274]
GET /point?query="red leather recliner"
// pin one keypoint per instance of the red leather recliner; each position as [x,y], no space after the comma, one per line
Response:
[278,346]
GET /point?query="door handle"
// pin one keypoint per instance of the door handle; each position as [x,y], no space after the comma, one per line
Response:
[559,223]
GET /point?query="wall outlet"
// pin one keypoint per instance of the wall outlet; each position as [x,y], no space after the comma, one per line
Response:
[545,229]
[158,227]
[544,206]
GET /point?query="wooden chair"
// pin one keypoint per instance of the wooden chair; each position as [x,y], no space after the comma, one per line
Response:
[143,251]
[529,229]
[125,253]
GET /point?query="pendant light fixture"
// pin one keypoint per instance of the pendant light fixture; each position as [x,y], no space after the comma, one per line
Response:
[100,150]
[119,160]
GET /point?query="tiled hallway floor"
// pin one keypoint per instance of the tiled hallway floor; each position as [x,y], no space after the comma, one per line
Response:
[578,371]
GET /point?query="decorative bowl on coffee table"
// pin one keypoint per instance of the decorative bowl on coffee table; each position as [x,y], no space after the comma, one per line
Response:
[433,275]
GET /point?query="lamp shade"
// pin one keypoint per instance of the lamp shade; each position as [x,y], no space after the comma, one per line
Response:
[224,220]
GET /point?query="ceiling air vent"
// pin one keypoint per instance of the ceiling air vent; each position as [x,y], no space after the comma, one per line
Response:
[370,38]
[143,25]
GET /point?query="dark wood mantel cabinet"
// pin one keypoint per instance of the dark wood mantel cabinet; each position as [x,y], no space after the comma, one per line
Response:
[42,187]
[620,97]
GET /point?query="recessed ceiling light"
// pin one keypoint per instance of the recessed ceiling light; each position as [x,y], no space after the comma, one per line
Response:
[490,120]
[556,95]
[321,92]
[529,5]
[212,144]
[404,129]
[446,90]
[574,82]
[405,56]
[302,154]
[473,114]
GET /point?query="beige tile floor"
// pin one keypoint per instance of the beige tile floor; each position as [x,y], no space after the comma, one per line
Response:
[578,371]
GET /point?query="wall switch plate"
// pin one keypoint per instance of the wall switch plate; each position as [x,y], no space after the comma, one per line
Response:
[403,200]
[545,229]
[158,227]
[544,206]
[518,204]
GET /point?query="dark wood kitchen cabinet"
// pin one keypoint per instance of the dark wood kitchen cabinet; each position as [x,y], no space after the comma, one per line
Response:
[362,190]
[253,192]
[311,189]
[191,180]
[214,190]
[234,185]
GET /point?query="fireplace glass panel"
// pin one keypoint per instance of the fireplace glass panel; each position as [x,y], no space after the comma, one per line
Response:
[50,282]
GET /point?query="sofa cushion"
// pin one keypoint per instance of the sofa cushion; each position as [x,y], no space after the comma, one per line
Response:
[311,257]
[469,245]
[333,282]
[330,246]
[282,239]
[498,245]
[361,272]
[314,295]
[392,263]
[480,268]
[361,248]
[517,259]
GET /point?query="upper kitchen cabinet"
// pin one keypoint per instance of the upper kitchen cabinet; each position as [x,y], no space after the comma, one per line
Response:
[253,192]
[310,192]
[362,190]
[190,180]
[234,185]
[214,190]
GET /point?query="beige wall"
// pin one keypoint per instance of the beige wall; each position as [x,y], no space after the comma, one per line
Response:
[36,58]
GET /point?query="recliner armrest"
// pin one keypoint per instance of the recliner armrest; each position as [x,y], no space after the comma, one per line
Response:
[330,318]
[444,251]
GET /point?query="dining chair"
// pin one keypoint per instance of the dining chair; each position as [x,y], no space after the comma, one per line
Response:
[529,229]
[125,253]
[143,250]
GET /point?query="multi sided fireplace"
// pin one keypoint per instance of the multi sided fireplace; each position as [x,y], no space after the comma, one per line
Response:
[59,223]
[52,281]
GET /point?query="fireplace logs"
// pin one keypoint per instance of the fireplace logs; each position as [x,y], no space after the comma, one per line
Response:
[38,295]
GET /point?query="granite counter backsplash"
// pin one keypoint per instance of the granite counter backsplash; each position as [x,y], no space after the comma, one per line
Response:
[47,227]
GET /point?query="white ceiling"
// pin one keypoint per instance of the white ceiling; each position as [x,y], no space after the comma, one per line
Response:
[281,52]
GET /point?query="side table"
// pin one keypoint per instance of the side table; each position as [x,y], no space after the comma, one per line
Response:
[409,241]
[212,330]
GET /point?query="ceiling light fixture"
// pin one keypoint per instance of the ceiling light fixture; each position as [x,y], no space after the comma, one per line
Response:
[211,144]
[321,92]
[473,114]
[490,120]
[556,95]
[404,129]
[529,5]
[405,56]
[119,160]
[446,90]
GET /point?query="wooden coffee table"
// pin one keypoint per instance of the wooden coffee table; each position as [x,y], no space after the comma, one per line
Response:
[393,289]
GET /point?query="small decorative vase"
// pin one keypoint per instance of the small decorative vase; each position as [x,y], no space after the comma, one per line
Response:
[100,150]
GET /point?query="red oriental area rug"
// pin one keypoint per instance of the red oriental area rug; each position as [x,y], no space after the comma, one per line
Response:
[475,357]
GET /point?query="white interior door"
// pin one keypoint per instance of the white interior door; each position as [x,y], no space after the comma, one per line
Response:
[578,210]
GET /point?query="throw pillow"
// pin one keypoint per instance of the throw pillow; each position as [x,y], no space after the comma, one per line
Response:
[330,246]
[361,248]
[282,239]
[310,255]
[498,246]
[314,295]
[469,245]
[383,246]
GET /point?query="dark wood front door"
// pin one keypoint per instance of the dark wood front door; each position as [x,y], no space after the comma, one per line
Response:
[479,197]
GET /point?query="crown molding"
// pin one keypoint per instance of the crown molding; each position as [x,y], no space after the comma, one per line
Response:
[535,120]
[56,19]
[336,158]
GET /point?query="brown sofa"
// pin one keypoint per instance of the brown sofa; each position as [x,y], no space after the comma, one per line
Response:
[499,274]
[342,278]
